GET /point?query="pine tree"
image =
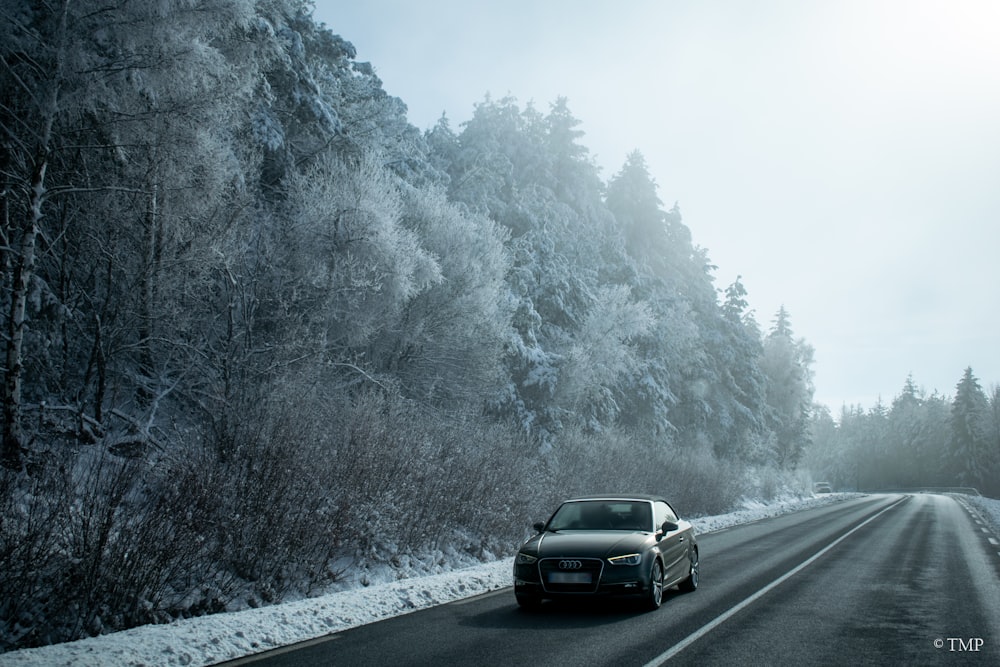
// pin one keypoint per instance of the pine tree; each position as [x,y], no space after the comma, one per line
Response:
[786,363]
[972,460]
[994,489]
[632,198]
[672,349]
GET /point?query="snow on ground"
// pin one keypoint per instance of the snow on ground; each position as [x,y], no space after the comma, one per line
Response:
[988,508]
[207,640]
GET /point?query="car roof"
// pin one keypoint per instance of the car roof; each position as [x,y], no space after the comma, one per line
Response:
[618,496]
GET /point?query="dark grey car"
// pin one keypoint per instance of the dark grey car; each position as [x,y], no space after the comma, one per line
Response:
[627,545]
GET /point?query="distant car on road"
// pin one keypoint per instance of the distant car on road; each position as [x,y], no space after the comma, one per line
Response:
[628,545]
[822,487]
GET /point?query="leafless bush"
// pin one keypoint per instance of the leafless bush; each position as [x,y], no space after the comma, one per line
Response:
[96,542]
[268,507]
[30,520]
[94,549]
[415,479]
[693,479]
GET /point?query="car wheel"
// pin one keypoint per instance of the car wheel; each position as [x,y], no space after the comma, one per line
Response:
[654,593]
[691,583]
[528,601]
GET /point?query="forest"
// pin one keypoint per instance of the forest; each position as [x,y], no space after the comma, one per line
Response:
[260,331]
[918,441]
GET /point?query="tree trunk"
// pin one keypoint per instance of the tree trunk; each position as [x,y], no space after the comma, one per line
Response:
[24,265]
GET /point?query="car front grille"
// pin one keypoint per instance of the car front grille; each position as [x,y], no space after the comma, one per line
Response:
[570,575]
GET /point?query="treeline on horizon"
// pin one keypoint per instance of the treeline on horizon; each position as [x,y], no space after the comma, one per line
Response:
[917,441]
[260,331]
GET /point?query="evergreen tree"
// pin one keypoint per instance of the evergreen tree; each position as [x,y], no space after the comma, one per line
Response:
[528,173]
[972,458]
[994,489]
[786,362]
[632,198]
[914,439]
[826,457]
[672,346]
[443,147]
[738,352]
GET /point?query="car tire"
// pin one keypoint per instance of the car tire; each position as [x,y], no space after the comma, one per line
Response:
[690,584]
[528,601]
[654,592]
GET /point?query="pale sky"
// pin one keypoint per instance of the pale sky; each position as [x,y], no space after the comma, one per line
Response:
[842,156]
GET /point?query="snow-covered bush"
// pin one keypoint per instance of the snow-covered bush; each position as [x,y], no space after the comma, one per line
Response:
[692,478]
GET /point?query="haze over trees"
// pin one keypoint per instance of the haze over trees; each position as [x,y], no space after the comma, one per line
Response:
[917,441]
[259,329]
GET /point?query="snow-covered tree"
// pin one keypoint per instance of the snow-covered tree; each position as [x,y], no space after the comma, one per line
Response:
[117,149]
[786,363]
[356,264]
[971,450]
[448,344]
[603,360]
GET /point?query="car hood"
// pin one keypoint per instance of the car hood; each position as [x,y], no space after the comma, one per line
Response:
[598,543]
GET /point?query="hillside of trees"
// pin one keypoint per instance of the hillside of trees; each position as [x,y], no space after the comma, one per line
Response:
[260,331]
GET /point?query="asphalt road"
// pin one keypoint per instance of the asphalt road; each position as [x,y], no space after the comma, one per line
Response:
[880,580]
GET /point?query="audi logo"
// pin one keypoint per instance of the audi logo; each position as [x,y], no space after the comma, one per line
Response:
[570,565]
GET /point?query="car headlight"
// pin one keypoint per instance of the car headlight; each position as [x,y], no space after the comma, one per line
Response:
[627,559]
[524,559]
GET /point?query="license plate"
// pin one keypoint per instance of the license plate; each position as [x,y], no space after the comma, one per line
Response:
[570,578]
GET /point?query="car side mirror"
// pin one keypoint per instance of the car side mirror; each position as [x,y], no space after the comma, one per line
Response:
[668,527]
[539,527]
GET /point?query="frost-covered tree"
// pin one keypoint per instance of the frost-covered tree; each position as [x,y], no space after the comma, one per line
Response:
[36,46]
[633,199]
[971,452]
[603,361]
[527,172]
[448,345]
[916,439]
[786,363]
[702,380]
[356,265]
[737,349]
[442,148]
[672,345]
[115,138]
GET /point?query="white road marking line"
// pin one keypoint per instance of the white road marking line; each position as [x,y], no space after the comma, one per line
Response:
[985,530]
[994,542]
[722,618]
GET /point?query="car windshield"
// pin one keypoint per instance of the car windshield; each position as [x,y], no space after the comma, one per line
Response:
[629,515]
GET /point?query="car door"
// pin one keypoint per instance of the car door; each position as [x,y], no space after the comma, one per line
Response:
[674,543]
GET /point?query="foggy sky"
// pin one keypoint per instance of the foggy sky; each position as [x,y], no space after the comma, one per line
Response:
[842,157]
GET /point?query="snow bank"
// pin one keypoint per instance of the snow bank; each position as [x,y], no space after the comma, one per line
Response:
[211,639]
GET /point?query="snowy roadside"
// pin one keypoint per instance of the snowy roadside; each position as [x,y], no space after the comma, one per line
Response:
[988,508]
[207,640]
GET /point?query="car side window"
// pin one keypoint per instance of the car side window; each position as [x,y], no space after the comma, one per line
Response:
[662,512]
[671,515]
